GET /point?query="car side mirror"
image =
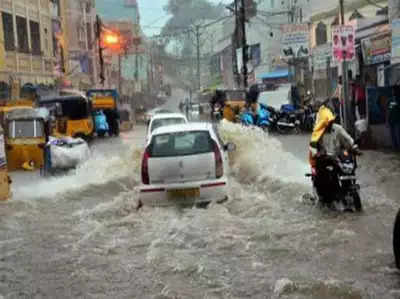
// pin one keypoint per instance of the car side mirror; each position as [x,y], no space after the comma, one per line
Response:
[230,147]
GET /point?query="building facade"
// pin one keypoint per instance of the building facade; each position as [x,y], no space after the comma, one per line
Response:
[27,49]
[124,15]
[83,50]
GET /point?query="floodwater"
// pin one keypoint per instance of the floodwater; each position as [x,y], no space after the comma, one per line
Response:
[80,236]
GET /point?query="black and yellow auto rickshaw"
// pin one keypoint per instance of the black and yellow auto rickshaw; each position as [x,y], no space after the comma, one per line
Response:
[25,137]
[74,115]
[106,101]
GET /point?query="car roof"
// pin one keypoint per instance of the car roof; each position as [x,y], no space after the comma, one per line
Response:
[168,115]
[183,128]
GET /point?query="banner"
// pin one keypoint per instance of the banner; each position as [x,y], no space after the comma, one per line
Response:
[396,41]
[377,49]
[343,47]
[295,40]
[320,57]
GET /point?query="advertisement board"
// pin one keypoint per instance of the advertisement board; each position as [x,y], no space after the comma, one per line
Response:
[343,39]
[295,40]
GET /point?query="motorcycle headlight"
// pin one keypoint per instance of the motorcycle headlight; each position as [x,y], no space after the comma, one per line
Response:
[347,168]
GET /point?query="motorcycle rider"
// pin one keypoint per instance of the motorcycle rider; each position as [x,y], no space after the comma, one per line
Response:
[328,138]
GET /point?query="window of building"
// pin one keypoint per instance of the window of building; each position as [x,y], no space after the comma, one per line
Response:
[35,38]
[8,28]
[321,34]
[272,3]
[22,33]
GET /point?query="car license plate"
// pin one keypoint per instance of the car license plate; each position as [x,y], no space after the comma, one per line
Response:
[184,193]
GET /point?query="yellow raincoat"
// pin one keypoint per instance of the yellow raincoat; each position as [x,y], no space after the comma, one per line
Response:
[324,118]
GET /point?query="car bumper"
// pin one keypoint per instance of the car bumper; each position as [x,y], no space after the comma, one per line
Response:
[158,195]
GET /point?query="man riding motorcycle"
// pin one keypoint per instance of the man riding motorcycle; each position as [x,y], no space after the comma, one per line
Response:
[327,139]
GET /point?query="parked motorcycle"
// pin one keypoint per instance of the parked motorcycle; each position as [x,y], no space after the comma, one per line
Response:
[306,117]
[338,182]
[283,121]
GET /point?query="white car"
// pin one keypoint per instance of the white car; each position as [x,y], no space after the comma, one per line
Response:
[150,114]
[160,120]
[184,164]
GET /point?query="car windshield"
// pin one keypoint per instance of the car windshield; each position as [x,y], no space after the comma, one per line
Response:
[181,144]
[25,129]
[157,123]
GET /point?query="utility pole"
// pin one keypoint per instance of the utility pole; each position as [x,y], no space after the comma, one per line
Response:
[101,59]
[345,107]
[198,56]
[119,74]
[244,42]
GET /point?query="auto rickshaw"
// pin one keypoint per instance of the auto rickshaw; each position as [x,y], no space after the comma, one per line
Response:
[235,101]
[106,100]
[74,115]
[25,137]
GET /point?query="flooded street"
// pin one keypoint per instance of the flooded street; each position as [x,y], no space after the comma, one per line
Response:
[80,236]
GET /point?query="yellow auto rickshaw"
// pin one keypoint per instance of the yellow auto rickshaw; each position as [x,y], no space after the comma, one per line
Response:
[235,101]
[73,115]
[106,101]
[25,137]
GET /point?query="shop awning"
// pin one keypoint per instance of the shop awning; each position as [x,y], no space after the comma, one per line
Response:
[278,74]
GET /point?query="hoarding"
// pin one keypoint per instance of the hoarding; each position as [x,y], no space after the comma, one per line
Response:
[396,41]
[343,38]
[295,40]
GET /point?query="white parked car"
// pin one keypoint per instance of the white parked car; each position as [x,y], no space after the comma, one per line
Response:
[186,164]
[167,119]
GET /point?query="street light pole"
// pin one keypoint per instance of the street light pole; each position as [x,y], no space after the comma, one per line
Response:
[345,107]
[244,42]
[119,74]
[198,56]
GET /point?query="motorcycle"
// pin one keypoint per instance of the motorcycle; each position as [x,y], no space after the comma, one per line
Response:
[217,113]
[283,121]
[306,117]
[261,120]
[338,181]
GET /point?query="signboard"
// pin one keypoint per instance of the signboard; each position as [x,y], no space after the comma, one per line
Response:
[343,47]
[295,40]
[320,57]
[377,49]
[396,41]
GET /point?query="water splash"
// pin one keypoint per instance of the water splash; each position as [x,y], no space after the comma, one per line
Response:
[259,157]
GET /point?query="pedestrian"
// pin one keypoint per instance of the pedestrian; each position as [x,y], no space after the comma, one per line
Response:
[338,100]
[393,120]
[360,99]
